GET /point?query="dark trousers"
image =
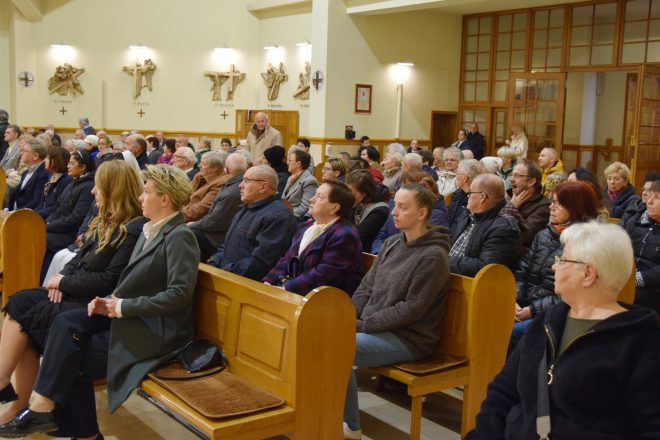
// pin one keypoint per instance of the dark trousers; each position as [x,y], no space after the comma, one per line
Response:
[75,355]
[206,248]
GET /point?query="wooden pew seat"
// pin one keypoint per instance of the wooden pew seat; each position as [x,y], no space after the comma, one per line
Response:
[280,342]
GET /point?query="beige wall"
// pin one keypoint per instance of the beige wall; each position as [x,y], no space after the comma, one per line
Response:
[181,41]
[573,106]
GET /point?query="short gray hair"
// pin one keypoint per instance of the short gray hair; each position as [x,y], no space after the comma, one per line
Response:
[413,159]
[452,151]
[507,152]
[491,164]
[236,163]
[605,246]
[470,167]
[36,145]
[84,121]
[189,154]
[395,156]
[206,142]
[396,148]
[215,159]
[247,155]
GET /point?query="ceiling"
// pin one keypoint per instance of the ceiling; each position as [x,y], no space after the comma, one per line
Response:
[458,7]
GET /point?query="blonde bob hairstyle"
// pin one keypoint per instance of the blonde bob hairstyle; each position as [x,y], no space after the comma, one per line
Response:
[605,246]
[618,167]
[170,181]
[119,187]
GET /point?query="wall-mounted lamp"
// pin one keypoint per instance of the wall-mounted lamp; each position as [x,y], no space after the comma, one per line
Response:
[222,48]
[304,43]
[59,45]
[405,64]
[138,46]
[270,46]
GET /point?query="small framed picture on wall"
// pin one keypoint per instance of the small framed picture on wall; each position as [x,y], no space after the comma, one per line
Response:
[362,98]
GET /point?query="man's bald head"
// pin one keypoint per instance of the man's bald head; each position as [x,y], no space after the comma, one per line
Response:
[261,120]
[491,184]
[236,164]
[266,173]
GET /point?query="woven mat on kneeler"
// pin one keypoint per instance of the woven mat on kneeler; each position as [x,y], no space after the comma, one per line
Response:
[219,396]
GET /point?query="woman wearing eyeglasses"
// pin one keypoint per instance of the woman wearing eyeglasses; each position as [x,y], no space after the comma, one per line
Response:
[326,251]
[572,202]
[588,367]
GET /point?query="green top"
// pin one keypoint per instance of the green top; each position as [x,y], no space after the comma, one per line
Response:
[575,328]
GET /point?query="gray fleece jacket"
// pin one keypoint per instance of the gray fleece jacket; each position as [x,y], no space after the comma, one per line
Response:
[405,290]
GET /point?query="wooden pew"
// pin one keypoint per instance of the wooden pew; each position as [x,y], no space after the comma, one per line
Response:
[299,348]
[613,220]
[476,327]
[627,294]
[22,249]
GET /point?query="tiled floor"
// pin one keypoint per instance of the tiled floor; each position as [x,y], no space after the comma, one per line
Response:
[385,415]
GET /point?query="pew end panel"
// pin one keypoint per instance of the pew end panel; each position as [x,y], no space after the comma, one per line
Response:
[280,342]
[22,250]
[627,293]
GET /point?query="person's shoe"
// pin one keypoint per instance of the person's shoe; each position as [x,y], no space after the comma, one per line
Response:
[28,422]
[350,434]
[7,394]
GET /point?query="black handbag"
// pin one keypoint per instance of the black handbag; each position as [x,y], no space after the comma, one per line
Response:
[199,358]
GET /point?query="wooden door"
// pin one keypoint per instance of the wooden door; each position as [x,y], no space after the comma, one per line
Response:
[644,147]
[286,122]
[443,129]
[536,102]
[499,130]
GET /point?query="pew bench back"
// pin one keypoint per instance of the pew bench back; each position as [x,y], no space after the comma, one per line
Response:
[298,348]
[22,249]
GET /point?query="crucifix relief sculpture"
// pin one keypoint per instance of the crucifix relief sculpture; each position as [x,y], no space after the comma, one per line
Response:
[302,91]
[142,76]
[233,77]
[273,78]
[65,80]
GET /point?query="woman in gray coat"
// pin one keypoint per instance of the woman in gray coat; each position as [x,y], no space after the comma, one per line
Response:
[301,186]
[149,315]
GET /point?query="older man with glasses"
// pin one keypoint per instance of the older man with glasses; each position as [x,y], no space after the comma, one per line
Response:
[184,158]
[485,234]
[528,198]
[261,231]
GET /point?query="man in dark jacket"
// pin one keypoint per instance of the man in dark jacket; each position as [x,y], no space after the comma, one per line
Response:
[4,123]
[528,199]
[484,235]
[261,231]
[476,140]
[30,190]
[210,230]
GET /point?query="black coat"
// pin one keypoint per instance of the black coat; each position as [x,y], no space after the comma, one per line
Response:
[31,194]
[73,206]
[535,279]
[605,383]
[90,274]
[477,143]
[456,208]
[495,239]
[645,236]
[618,206]
[52,193]
[4,146]
[536,212]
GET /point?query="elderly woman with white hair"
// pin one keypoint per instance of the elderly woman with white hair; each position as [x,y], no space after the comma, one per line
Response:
[392,170]
[508,157]
[447,179]
[586,368]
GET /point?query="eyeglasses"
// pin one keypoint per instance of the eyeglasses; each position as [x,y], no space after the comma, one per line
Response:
[248,180]
[179,156]
[469,193]
[555,204]
[516,175]
[560,260]
[327,169]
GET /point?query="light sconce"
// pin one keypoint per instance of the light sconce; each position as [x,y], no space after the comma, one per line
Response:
[304,43]
[138,46]
[59,45]
[270,47]
[405,64]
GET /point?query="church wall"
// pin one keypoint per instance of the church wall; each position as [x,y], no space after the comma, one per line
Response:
[573,108]
[364,51]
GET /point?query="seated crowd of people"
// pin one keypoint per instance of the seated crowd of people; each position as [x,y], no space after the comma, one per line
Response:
[127,223]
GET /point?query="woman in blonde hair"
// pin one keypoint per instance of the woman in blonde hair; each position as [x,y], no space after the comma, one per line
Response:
[149,315]
[95,270]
